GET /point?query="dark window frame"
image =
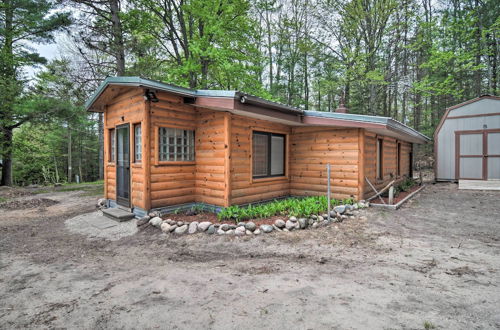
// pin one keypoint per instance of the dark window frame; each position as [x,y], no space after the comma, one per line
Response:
[380,158]
[269,155]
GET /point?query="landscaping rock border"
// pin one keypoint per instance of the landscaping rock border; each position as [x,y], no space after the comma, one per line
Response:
[169,226]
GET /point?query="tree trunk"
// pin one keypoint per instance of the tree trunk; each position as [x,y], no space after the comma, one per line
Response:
[70,161]
[116,27]
[6,158]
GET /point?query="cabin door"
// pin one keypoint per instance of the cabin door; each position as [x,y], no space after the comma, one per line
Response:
[123,165]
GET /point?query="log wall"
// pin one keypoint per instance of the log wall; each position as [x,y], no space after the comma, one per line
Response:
[221,173]
[210,157]
[311,148]
[128,107]
[389,162]
[245,189]
[171,182]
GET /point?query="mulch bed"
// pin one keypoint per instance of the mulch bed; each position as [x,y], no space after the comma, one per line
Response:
[212,217]
[402,195]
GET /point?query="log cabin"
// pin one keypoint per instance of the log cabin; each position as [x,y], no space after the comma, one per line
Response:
[168,147]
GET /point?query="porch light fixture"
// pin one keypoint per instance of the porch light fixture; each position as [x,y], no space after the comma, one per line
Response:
[151,96]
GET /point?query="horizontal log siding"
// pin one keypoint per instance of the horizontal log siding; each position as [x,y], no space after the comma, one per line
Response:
[171,184]
[243,188]
[389,161]
[311,148]
[210,157]
[127,107]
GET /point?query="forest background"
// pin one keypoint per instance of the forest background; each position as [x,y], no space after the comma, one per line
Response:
[406,59]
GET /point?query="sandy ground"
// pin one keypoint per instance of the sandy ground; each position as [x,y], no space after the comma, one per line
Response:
[434,263]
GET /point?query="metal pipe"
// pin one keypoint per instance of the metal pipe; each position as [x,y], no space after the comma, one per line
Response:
[328,189]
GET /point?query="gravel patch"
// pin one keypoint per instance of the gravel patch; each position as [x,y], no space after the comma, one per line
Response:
[84,224]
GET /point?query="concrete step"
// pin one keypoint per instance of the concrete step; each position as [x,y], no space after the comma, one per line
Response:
[118,214]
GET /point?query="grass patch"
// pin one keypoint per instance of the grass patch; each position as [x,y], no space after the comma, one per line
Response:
[97,191]
[2,199]
[428,325]
[299,207]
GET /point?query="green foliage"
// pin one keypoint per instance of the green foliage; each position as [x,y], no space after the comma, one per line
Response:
[299,207]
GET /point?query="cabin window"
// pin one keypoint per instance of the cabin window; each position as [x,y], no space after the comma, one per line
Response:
[268,152]
[137,143]
[380,157]
[112,145]
[176,144]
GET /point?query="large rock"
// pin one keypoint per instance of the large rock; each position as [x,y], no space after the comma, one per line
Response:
[165,227]
[340,209]
[292,219]
[180,223]
[204,225]
[250,226]
[266,228]
[277,228]
[315,225]
[321,218]
[220,232]
[101,202]
[156,221]
[240,231]
[302,223]
[173,227]
[290,225]
[193,227]
[224,227]
[279,223]
[257,231]
[154,214]
[230,232]
[211,230]
[181,230]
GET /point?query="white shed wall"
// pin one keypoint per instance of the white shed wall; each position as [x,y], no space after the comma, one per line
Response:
[446,136]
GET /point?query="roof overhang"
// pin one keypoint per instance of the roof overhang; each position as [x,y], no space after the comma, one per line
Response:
[112,86]
[252,106]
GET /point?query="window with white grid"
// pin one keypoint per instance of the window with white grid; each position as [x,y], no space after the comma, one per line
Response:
[176,144]
[137,143]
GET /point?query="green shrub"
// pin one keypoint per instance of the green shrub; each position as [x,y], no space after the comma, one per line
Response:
[299,207]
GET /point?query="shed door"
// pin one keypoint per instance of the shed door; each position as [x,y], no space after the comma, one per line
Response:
[493,155]
[470,156]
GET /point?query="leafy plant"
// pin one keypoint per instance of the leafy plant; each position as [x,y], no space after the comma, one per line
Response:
[299,207]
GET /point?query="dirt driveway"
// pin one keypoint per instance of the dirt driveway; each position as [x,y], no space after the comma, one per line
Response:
[434,263]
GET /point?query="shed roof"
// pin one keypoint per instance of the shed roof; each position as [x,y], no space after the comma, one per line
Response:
[447,112]
[247,103]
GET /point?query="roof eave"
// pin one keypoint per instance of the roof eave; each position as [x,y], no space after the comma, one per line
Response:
[408,131]
[137,82]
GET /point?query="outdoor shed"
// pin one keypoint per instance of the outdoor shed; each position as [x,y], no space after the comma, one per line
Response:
[167,147]
[467,142]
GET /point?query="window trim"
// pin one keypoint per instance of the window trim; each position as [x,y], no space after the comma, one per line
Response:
[112,146]
[379,161]
[157,160]
[270,176]
[134,125]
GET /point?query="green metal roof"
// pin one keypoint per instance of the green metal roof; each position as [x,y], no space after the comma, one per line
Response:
[142,82]
[138,82]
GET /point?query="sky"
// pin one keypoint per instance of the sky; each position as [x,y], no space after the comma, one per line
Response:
[49,51]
